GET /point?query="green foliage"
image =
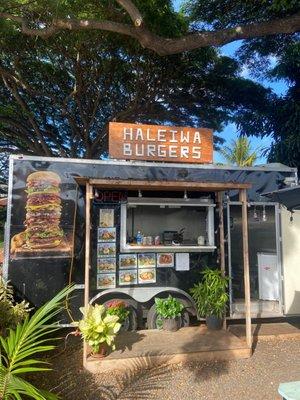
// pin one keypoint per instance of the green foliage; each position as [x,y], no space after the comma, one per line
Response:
[118,308]
[60,93]
[169,308]
[98,327]
[239,152]
[19,349]
[270,58]
[11,313]
[210,295]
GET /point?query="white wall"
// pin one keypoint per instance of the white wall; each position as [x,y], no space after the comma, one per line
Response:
[291,261]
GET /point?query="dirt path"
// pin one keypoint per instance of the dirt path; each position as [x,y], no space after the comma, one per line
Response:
[257,378]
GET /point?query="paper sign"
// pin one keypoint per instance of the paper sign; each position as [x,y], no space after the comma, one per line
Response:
[182,262]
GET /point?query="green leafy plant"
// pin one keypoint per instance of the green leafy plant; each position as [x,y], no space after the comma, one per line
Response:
[98,327]
[11,312]
[211,295]
[169,308]
[19,348]
[118,308]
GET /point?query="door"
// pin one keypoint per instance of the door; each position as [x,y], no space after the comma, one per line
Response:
[268,277]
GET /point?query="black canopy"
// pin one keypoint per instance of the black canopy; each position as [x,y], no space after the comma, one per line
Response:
[289,197]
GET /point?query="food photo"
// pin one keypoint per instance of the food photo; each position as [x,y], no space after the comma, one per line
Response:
[106,249]
[128,277]
[106,218]
[106,264]
[106,234]
[165,260]
[128,261]
[146,260]
[106,281]
[43,207]
[147,275]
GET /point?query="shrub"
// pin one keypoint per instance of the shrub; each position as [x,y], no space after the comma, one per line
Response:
[11,313]
[168,308]
[211,295]
[118,308]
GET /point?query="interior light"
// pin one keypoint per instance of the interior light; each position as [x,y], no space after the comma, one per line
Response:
[255,216]
[264,214]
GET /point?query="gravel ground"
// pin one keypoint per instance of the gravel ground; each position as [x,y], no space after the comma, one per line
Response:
[256,378]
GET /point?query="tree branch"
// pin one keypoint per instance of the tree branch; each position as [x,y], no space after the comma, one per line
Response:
[160,45]
[133,12]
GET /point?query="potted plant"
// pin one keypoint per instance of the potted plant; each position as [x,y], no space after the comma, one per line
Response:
[121,310]
[169,310]
[211,297]
[99,329]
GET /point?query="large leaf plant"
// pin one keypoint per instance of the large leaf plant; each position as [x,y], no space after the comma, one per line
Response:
[19,349]
[98,327]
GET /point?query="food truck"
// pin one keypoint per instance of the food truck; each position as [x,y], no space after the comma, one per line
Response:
[145,222]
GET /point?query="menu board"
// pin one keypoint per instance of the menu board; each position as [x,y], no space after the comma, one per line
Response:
[106,250]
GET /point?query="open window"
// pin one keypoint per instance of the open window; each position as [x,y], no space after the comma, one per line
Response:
[167,225]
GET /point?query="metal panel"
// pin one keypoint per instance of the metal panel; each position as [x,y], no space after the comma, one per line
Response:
[8,219]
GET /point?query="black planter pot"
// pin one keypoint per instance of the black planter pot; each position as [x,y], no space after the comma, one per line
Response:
[214,323]
[170,324]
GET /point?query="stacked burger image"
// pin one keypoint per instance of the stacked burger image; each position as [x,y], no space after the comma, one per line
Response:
[43,211]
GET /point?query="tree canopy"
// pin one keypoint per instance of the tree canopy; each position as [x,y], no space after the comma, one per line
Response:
[214,23]
[57,96]
[59,89]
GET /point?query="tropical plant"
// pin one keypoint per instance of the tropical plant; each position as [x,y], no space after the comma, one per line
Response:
[210,295]
[11,312]
[98,327]
[239,152]
[19,348]
[169,308]
[118,308]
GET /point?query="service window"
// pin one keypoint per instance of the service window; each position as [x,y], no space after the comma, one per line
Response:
[167,224]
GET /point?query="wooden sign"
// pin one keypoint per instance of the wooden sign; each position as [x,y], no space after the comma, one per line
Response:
[160,143]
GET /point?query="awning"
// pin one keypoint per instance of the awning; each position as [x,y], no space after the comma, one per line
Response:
[289,197]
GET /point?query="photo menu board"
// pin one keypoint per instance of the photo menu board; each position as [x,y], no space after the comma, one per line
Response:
[106,249]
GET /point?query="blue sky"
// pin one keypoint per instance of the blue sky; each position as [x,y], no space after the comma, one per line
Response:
[230,131]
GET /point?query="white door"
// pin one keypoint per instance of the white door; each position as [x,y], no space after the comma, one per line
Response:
[268,277]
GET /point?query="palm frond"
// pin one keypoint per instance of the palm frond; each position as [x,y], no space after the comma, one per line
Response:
[18,349]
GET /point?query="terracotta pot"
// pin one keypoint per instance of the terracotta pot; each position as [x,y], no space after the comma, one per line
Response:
[214,323]
[170,324]
[101,353]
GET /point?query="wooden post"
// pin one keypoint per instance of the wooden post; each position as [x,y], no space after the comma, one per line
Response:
[243,199]
[88,189]
[221,237]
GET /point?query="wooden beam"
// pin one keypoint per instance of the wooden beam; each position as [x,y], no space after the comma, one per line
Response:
[243,199]
[88,196]
[130,184]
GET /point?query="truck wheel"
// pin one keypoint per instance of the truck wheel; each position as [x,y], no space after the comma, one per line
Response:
[131,322]
[152,319]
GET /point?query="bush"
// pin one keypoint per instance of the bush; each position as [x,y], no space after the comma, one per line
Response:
[169,308]
[118,308]
[211,295]
[11,313]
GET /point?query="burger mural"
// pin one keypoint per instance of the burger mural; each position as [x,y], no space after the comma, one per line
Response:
[42,233]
